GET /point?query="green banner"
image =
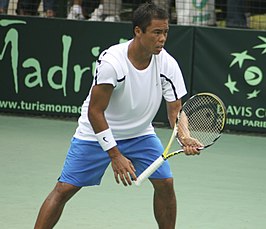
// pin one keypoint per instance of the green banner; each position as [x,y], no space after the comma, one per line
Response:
[46,66]
[232,64]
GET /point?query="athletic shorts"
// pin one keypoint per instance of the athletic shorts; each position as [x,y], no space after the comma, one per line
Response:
[86,162]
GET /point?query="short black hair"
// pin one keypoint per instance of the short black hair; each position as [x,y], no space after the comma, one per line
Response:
[145,13]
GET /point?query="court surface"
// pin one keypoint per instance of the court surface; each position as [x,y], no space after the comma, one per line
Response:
[223,188]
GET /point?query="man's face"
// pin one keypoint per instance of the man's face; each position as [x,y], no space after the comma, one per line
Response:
[154,38]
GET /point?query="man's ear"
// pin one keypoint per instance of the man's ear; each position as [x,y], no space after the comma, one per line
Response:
[137,31]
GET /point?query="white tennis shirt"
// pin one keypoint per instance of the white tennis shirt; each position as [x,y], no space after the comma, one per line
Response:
[137,94]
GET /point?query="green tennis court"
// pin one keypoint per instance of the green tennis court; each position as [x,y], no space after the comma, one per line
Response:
[223,188]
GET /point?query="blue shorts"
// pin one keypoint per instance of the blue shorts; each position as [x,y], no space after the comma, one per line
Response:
[86,162]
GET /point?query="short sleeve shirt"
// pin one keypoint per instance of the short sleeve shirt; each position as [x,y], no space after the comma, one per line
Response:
[137,94]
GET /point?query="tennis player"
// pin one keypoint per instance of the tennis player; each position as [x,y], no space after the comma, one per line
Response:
[115,123]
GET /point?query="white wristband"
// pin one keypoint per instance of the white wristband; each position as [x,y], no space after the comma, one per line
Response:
[106,139]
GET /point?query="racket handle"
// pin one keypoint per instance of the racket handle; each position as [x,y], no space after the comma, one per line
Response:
[150,170]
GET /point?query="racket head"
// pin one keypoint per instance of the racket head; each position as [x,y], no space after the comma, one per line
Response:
[202,117]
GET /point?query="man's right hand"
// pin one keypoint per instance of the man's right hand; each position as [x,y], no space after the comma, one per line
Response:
[122,167]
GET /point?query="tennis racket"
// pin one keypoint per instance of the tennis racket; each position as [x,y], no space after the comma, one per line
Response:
[200,123]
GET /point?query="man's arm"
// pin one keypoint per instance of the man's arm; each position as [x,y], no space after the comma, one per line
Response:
[100,97]
[173,109]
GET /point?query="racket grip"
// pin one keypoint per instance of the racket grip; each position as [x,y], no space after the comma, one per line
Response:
[150,170]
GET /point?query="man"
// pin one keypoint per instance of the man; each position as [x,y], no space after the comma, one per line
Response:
[236,14]
[30,7]
[115,122]
[107,10]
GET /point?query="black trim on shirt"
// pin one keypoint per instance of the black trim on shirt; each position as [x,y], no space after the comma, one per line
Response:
[122,79]
[99,61]
[172,85]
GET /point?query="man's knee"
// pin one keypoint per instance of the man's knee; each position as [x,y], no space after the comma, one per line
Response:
[163,186]
[62,192]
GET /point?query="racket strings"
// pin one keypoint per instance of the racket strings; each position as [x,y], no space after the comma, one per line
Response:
[205,118]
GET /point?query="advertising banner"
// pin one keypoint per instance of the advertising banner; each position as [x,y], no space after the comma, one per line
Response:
[232,64]
[47,65]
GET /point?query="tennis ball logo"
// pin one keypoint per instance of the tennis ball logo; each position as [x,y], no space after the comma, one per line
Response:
[247,71]
[253,76]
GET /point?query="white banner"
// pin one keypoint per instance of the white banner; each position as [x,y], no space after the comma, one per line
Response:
[195,12]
